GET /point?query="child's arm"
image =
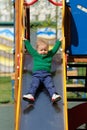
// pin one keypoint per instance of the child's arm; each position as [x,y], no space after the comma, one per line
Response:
[56,46]
[30,49]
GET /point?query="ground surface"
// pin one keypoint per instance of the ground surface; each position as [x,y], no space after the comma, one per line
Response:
[6,117]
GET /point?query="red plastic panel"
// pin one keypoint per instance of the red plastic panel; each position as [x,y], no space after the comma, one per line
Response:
[55,3]
[77,116]
[29,3]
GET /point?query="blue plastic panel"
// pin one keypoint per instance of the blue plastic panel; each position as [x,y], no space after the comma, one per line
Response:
[78,27]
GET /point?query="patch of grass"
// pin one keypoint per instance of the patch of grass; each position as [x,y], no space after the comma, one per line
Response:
[5,90]
[76,94]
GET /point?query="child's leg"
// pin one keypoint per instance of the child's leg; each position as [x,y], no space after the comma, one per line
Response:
[32,90]
[49,84]
[34,85]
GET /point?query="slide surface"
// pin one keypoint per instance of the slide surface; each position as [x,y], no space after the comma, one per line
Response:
[44,115]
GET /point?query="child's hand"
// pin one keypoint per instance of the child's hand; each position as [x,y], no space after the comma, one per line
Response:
[24,38]
[60,39]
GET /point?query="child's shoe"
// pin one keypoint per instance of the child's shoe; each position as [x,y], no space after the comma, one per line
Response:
[28,97]
[56,97]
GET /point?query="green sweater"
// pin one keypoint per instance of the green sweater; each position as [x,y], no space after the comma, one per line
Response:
[42,62]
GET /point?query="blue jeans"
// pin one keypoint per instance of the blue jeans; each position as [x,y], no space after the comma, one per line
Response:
[42,77]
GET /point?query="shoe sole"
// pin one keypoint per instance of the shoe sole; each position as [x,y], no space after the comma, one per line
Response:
[56,100]
[28,100]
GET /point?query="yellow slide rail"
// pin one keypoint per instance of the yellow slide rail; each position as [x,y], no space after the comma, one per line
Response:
[18,59]
[64,70]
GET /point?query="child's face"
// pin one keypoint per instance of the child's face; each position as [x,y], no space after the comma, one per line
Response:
[42,49]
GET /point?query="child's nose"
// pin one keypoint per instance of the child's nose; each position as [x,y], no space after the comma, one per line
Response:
[43,50]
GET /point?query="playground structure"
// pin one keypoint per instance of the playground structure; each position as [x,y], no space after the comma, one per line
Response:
[6,47]
[76,44]
[75,30]
[75,54]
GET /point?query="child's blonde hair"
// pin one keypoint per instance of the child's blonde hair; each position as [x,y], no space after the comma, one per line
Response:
[41,41]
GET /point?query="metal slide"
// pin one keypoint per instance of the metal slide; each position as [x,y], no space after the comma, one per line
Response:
[44,115]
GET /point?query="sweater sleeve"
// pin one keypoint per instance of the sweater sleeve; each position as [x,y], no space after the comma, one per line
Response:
[56,47]
[29,47]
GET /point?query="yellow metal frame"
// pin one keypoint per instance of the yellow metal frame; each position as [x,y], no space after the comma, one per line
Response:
[64,71]
[18,59]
